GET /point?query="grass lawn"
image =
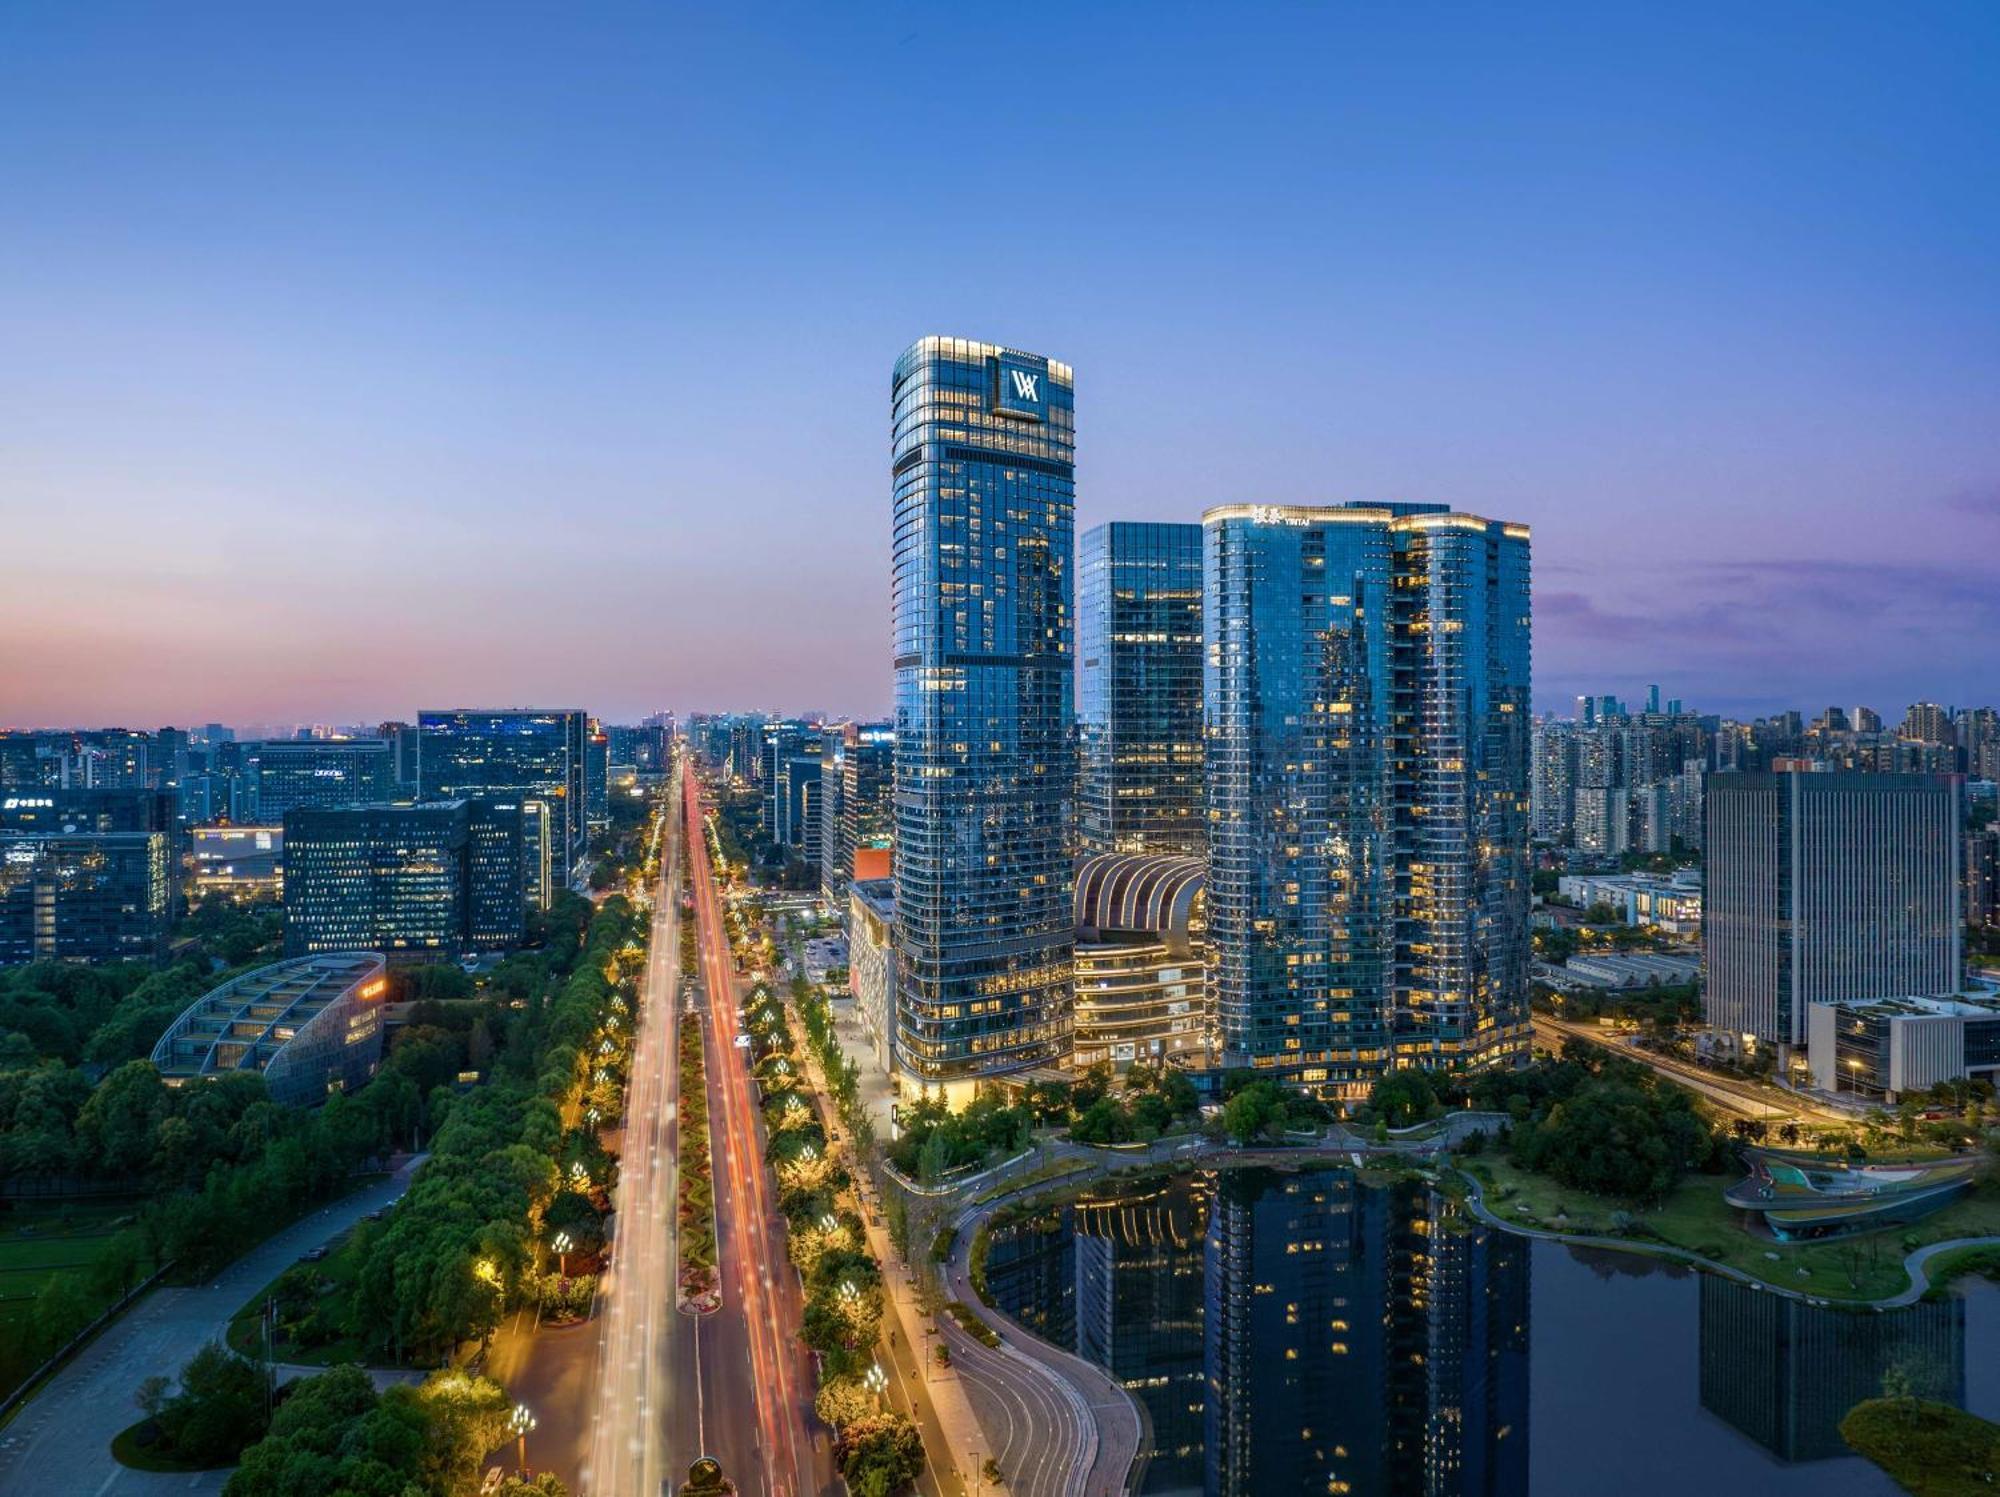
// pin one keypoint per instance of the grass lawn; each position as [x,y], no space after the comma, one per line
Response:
[1931,1449]
[1695,1217]
[38,1241]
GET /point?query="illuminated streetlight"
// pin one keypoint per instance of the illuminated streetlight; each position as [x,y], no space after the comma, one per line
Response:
[520,1422]
[562,1244]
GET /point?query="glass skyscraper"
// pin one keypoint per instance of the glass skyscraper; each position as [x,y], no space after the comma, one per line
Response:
[519,752]
[1366,703]
[1138,707]
[984,494]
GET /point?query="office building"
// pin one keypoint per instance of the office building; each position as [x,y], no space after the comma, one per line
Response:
[796,795]
[856,804]
[1826,888]
[1138,702]
[238,863]
[597,778]
[780,742]
[402,740]
[316,772]
[430,881]
[1141,962]
[871,964]
[311,1027]
[518,754]
[84,896]
[1886,1049]
[983,593]
[56,808]
[1670,902]
[1366,692]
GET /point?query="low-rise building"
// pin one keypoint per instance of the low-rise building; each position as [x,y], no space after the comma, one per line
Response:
[241,863]
[1631,969]
[312,1026]
[871,963]
[1141,961]
[1887,1048]
[1670,902]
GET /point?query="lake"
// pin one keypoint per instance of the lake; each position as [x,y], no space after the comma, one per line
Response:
[1316,1331]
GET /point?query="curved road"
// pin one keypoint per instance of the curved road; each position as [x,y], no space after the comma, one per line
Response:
[61,1441]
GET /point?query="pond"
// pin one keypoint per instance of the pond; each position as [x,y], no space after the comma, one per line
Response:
[1316,1331]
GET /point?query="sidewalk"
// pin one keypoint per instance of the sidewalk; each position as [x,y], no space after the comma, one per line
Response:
[943,1413]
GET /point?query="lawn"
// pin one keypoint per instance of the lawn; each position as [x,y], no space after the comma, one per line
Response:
[1695,1217]
[1931,1449]
[38,1241]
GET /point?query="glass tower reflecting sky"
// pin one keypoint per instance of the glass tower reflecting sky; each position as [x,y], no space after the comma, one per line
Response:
[1138,709]
[983,445]
[1366,704]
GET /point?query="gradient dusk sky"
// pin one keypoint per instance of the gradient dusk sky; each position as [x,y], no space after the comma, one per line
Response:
[368,357]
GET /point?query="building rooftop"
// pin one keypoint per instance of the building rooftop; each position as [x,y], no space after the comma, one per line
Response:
[1137,892]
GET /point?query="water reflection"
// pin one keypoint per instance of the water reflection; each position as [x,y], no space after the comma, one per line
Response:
[1292,1332]
[1320,1332]
[1785,1373]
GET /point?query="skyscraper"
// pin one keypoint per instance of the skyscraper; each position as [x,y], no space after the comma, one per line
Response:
[293,772]
[1138,708]
[855,808]
[984,491]
[1824,888]
[1366,691]
[428,881]
[529,753]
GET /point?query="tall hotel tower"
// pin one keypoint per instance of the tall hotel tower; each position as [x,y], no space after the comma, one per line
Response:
[984,439]
[1366,702]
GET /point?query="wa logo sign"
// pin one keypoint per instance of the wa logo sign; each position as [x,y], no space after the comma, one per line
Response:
[1021,388]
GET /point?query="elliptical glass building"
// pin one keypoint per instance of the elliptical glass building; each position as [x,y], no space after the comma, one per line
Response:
[1366,703]
[1138,705]
[984,495]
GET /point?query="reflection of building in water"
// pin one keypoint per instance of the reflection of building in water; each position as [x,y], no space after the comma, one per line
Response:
[1139,1316]
[1362,1339]
[1785,1372]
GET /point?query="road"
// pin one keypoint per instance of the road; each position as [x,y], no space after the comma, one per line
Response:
[794,1453]
[1744,1099]
[633,1395]
[61,1442]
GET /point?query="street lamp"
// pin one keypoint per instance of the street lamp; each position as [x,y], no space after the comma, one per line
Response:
[562,1244]
[520,1422]
[876,1379]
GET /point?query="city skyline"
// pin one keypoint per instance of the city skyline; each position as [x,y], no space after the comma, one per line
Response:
[401,334]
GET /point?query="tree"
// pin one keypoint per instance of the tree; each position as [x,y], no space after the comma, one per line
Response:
[844,1401]
[1403,1097]
[880,1454]
[61,1310]
[1255,1112]
[219,1410]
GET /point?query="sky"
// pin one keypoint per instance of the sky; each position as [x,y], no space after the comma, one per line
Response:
[365,358]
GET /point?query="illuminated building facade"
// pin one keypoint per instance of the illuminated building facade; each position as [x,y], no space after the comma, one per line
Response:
[237,862]
[984,494]
[321,772]
[1827,887]
[1138,704]
[1366,697]
[312,1026]
[1141,962]
[514,753]
[856,805]
[431,881]
[84,896]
